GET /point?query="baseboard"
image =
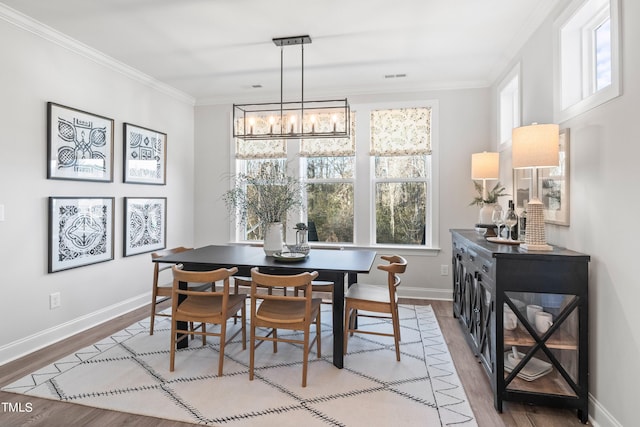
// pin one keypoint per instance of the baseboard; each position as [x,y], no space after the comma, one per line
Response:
[599,416]
[26,345]
[424,293]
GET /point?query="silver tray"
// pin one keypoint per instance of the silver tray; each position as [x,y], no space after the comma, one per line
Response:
[289,256]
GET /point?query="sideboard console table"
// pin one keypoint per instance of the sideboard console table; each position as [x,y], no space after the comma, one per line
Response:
[525,316]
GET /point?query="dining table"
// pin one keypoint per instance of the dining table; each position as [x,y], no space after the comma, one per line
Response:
[340,266]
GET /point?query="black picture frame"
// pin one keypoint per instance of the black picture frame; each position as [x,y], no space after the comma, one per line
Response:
[145,155]
[79,144]
[145,225]
[80,231]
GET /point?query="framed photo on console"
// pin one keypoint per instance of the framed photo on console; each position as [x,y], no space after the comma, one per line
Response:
[145,155]
[553,186]
[145,224]
[80,231]
[79,145]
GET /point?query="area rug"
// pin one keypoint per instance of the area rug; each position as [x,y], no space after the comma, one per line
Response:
[129,372]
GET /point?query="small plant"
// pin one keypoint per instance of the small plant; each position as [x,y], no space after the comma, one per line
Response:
[492,195]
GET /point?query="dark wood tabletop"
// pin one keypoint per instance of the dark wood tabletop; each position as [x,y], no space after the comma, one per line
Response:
[330,260]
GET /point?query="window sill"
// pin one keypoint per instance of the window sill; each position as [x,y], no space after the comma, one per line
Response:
[395,249]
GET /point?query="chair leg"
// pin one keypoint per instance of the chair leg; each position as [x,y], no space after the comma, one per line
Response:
[235,291]
[243,310]
[398,322]
[252,349]
[275,340]
[319,335]
[347,320]
[396,332]
[172,349]
[153,311]
[305,356]
[204,331]
[223,341]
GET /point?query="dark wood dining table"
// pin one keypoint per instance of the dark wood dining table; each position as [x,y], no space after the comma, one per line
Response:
[331,265]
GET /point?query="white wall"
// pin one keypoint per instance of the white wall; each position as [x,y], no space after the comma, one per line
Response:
[35,70]
[604,152]
[463,128]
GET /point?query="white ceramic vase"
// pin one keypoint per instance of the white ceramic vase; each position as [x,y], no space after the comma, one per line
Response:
[485,213]
[273,238]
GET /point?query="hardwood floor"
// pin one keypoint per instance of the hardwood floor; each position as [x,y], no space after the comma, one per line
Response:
[19,410]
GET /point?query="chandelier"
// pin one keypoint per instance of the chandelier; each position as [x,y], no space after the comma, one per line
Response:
[292,119]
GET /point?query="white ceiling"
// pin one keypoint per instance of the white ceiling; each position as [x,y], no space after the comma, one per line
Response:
[215,50]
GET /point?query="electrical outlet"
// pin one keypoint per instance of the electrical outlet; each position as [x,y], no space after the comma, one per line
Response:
[444,270]
[54,300]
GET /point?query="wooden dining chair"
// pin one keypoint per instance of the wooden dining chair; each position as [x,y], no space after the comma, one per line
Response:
[377,299]
[205,307]
[284,312]
[164,289]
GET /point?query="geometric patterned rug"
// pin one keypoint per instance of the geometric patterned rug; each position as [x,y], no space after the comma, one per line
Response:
[129,372]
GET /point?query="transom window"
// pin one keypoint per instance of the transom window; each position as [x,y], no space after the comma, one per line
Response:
[508,107]
[587,52]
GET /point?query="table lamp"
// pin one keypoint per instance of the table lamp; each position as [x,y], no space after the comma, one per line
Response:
[485,166]
[534,147]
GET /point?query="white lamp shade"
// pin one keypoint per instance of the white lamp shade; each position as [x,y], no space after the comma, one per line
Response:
[535,146]
[485,165]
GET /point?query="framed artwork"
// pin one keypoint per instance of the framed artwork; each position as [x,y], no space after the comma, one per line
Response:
[145,155]
[79,145]
[80,231]
[145,224]
[553,186]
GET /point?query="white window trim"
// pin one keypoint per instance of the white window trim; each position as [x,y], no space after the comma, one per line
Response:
[364,175]
[601,96]
[515,73]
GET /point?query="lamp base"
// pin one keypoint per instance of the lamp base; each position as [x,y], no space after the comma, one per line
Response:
[534,239]
[528,247]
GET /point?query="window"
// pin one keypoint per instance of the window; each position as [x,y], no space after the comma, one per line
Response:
[400,145]
[375,188]
[587,65]
[329,166]
[508,107]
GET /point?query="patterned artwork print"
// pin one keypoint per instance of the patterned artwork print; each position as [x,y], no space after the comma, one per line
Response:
[144,155]
[82,231]
[80,145]
[85,150]
[146,224]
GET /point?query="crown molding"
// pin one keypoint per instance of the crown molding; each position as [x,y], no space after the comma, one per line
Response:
[29,24]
